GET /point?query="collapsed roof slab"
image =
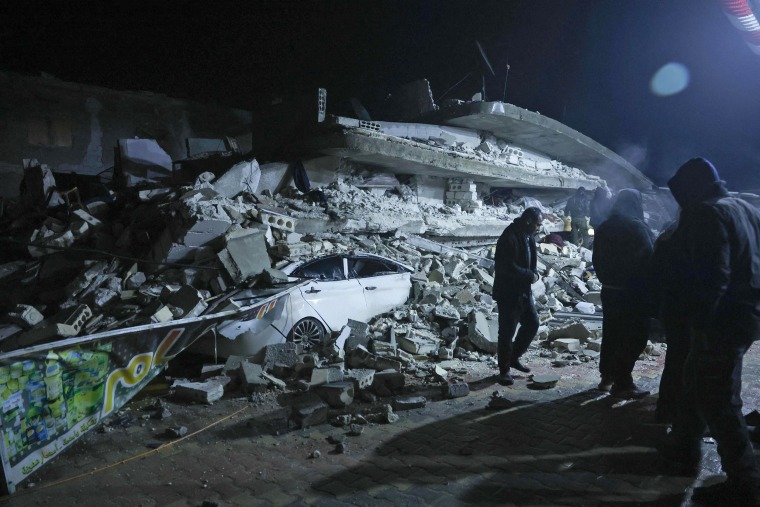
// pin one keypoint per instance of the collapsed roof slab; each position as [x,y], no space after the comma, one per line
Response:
[532,130]
[404,156]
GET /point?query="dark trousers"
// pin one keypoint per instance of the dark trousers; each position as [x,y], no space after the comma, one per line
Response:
[671,383]
[625,330]
[512,311]
[712,384]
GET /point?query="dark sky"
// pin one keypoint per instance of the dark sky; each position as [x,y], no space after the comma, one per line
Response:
[586,63]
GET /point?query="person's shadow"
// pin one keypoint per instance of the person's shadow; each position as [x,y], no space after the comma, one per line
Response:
[584,449]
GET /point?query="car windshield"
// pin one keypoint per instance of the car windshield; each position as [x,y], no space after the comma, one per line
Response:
[322,269]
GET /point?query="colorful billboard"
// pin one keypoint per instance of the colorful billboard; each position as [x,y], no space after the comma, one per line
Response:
[52,394]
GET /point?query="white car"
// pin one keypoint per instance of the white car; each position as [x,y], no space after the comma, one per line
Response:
[337,287]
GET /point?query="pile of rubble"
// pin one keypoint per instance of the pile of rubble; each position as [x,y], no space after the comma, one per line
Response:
[162,253]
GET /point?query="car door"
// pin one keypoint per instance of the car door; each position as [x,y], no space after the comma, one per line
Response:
[383,286]
[331,294]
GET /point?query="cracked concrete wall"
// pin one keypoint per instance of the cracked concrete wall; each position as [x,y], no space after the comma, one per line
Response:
[74,128]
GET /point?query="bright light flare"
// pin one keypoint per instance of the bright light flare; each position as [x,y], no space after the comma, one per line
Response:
[670,79]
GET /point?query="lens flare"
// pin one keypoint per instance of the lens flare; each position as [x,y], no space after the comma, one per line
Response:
[672,78]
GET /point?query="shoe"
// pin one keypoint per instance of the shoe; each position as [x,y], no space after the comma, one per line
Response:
[506,379]
[728,493]
[628,392]
[605,385]
[517,365]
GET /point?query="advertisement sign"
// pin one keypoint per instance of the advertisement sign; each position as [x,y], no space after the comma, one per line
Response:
[52,394]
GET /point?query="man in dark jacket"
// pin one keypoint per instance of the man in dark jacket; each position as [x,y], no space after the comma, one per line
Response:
[720,237]
[577,208]
[515,272]
[622,249]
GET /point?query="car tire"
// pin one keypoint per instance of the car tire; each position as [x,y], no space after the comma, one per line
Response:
[309,332]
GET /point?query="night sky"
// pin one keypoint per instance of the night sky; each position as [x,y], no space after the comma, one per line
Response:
[586,63]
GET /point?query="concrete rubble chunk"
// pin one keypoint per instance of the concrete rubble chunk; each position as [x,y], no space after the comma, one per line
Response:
[251,378]
[336,394]
[211,370]
[545,381]
[202,392]
[25,316]
[359,334]
[241,177]
[575,329]
[568,344]
[361,377]
[245,254]
[325,375]
[419,345]
[409,403]
[69,322]
[479,332]
[309,414]
[386,382]
[456,390]
[285,354]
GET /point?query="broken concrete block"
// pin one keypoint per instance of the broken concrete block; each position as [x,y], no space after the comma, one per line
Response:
[135,280]
[437,275]
[456,390]
[479,332]
[241,177]
[584,307]
[573,330]
[325,376]
[544,381]
[245,254]
[387,381]
[409,403]
[337,394]
[250,376]
[595,345]
[310,414]
[276,220]
[70,321]
[362,378]
[359,334]
[593,297]
[189,299]
[285,354]
[284,249]
[272,380]
[418,345]
[211,370]
[25,316]
[568,344]
[164,314]
[204,392]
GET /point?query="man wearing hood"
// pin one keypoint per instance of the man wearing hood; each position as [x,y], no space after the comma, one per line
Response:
[515,271]
[622,250]
[577,208]
[720,238]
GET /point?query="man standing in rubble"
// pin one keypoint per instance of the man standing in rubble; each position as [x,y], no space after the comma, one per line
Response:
[577,208]
[720,238]
[515,272]
[622,251]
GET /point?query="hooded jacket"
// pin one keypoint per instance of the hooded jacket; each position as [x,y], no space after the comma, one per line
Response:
[623,245]
[515,262]
[720,236]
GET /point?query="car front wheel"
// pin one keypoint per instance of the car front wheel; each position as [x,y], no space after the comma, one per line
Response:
[309,332]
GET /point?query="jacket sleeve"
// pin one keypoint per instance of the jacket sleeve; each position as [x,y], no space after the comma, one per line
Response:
[710,256]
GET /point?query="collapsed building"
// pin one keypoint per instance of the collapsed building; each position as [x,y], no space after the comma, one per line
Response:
[151,252]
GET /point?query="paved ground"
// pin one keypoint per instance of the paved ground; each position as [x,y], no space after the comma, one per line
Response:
[569,445]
